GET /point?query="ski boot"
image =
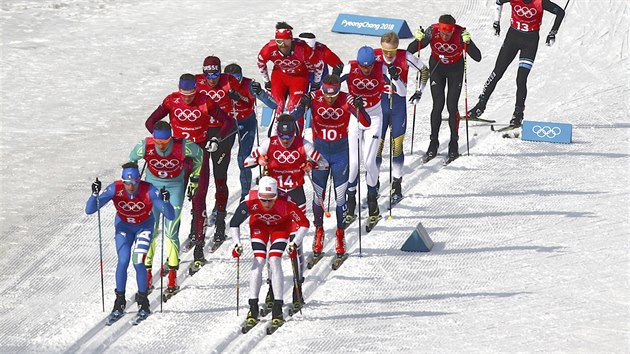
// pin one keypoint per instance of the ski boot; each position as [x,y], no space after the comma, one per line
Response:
[198,253]
[517,117]
[120,303]
[298,297]
[396,190]
[318,240]
[144,308]
[219,227]
[478,109]
[375,214]
[351,203]
[277,318]
[340,248]
[252,316]
[431,151]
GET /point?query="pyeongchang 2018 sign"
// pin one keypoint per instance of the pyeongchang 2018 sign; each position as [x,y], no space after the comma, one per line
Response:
[371,26]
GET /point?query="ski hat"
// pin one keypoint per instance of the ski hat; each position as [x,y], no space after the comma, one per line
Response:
[331,89]
[130,174]
[366,56]
[212,67]
[284,33]
[286,126]
[234,70]
[187,82]
[309,38]
[267,185]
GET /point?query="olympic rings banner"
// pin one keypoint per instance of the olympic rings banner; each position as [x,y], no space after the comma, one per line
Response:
[371,26]
[547,131]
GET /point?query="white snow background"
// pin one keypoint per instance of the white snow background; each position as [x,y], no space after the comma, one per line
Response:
[531,239]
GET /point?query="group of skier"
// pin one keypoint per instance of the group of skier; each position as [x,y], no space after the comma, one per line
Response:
[210,110]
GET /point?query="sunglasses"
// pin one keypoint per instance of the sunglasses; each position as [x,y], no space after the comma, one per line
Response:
[266,200]
[163,141]
[286,137]
[389,51]
[282,41]
[214,75]
[131,181]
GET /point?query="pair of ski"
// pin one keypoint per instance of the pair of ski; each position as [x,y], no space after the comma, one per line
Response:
[372,220]
[263,312]
[115,316]
[426,158]
[195,266]
[507,131]
[335,264]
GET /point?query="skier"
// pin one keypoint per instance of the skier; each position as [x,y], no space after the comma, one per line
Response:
[448,42]
[287,157]
[191,115]
[244,111]
[331,117]
[523,36]
[271,219]
[291,60]
[134,221]
[164,157]
[402,60]
[367,79]
[223,89]
[325,55]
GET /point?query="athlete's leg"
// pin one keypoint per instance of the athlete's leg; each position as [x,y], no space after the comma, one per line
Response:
[171,227]
[339,171]
[438,85]
[507,53]
[199,200]
[525,63]
[123,251]
[247,133]
[279,240]
[385,125]
[452,98]
[399,125]
[259,246]
[372,137]
[279,90]
[220,164]
[139,252]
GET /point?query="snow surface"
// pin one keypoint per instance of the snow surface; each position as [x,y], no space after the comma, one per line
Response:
[531,239]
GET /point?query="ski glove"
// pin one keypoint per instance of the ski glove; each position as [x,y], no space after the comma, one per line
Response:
[358,102]
[234,95]
[466,36]
[256,87]
[419,34]
[305,101]
[237,250]
[96,187]
[497,28]
[415,98]
[551,38]
[268,85]
[315,86]
[212,145]
[308,166]
[165,194]
[393,72]
[192,187]
[292,250]
[337,69]
[262,161]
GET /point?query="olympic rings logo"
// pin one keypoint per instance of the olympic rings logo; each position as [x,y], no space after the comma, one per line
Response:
[446,48]
[268,218]
[131,206]
[286,156]
[287,63]
[546,131]
[215,95]
[187,114]
[166,164]
[524,11]
[368,84]
[330,113]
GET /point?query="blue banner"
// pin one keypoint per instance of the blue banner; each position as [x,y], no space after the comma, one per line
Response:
[547,131]
[371,26]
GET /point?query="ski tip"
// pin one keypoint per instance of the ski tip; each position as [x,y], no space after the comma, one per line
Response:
[390,217]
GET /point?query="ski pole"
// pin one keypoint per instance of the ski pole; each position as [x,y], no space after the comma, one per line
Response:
[296,281]
[330,180]
[466,96]
[238,282]
[319,198]
[391,143]
[413,124]
[162,264]
[100,246]
[358,203]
